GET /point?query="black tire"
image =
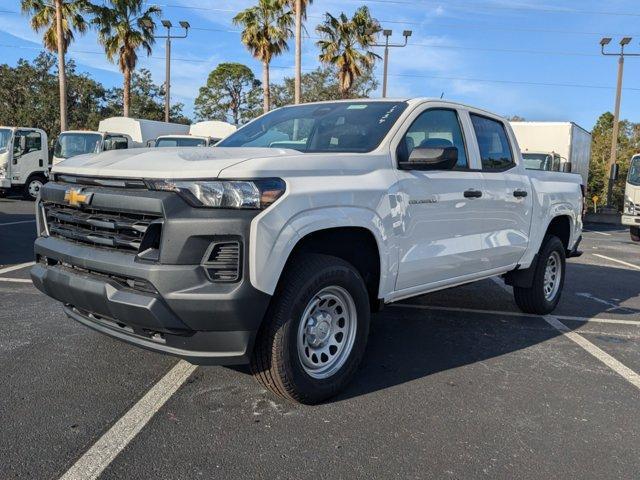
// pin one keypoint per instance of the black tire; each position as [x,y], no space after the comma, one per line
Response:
[275,361]
[533,299]
[635,233]
[33,181]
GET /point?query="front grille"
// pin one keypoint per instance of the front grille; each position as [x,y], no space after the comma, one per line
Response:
[112,230]
[223,262]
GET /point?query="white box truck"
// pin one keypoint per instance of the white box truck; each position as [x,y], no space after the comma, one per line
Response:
[113,133]
[555,146]
[24,160]
[201,134]
[631,212]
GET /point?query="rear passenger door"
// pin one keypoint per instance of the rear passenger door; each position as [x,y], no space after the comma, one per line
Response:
[507,200]
[442,209]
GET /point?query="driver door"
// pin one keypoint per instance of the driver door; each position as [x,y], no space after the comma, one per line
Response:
[443,209]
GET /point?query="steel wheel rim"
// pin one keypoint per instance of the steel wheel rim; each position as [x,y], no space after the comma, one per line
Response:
[34,188]
[552,276]
[327,332]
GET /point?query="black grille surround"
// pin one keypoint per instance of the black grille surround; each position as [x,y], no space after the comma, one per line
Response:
[123,231]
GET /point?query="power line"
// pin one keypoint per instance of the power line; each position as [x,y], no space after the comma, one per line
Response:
[456,4]
[527,8]
[437,25]
[407,75]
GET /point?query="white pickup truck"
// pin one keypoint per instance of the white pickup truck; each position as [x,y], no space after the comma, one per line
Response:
[274,248]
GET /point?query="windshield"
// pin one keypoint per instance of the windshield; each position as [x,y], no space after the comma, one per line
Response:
[5,138]
[181,142]
[329,127]
[537,161]
[71,144]
[634,171]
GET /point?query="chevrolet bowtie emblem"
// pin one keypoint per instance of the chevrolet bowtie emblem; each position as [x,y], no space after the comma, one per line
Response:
[75,197]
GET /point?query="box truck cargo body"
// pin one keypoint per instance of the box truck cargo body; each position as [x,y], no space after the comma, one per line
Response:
[559,146]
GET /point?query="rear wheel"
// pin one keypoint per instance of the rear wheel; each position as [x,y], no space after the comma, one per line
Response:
[315,332]
[33,186]
[544,294]
[635,234]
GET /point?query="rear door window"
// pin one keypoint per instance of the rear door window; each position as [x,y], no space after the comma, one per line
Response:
[495,149]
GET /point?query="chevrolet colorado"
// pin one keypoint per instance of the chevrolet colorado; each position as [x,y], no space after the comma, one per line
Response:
[273,248]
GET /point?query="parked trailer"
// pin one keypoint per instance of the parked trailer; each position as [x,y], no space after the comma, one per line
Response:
[115,133]
[24,160]
[556,146]
[201,134]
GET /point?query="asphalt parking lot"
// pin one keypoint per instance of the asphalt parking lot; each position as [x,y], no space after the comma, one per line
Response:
[455,384]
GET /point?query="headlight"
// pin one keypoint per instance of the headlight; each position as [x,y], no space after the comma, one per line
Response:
[629,207]
[3,172]
[255,194]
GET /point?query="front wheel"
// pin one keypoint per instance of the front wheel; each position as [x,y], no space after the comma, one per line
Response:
[315,332]
[635,233]
[544,294]
[33,186]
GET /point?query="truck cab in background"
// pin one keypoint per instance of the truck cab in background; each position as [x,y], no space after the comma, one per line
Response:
[546,161]
[631,212]
[115,133]
[77,142]
[201,134]
[24,160]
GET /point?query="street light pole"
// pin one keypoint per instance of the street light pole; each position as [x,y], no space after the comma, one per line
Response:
[167,83]
[387,34]
[613,166]
[167,76]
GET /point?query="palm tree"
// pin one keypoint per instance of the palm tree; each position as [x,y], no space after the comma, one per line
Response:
[58,20]
[266,29]
[300,10]
[346,45]
[124,27]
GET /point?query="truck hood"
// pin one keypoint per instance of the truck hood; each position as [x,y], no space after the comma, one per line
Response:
[185,162]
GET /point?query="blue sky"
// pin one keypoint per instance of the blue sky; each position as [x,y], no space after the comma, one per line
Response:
[462,48]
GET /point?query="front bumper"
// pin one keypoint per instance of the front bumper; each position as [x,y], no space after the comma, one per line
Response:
[170,305]
[5,183]
[631,220]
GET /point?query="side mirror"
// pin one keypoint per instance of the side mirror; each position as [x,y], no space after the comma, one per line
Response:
[567,167]
[431,158]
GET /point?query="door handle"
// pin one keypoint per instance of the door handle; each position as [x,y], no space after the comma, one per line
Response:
[472,194]
[520,193]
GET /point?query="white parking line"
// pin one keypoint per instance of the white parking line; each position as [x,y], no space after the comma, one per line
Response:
[627,264]
[16,267]
[17,223]
[622,370]
[518,314]
[107,448]
[611,305]
[599,233]
[553,320]
[16,280]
